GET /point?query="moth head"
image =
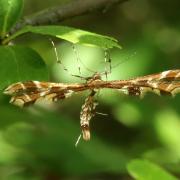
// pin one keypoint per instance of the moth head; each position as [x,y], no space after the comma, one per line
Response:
[96,76]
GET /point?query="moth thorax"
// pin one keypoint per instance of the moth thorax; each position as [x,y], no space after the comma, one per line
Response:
[95,77]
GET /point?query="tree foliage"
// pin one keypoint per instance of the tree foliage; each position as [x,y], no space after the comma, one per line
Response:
[38,142]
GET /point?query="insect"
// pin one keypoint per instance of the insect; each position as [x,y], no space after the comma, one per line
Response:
[26,93]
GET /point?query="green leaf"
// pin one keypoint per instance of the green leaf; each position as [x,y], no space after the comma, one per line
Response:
[19,63]
[71,34]
[51,136]
[10,11]
[145,170]
[168,130]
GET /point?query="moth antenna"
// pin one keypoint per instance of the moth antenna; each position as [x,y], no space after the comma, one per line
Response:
[125,60]
[78,139]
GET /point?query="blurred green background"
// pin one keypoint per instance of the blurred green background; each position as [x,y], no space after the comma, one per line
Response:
[39,143]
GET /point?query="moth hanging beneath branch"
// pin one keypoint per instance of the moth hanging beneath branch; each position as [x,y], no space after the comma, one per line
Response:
[26,93]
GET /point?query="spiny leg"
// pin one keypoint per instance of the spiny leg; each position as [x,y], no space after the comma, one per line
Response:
[77,58]
[79,61]
[58,60]
[107,60]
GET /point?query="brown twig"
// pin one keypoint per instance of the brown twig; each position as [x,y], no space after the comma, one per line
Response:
[59,13]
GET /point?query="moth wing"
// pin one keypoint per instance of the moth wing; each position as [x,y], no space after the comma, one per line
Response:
[27,93]
[164,83]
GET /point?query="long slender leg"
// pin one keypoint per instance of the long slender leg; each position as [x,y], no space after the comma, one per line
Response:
[58,60]
[107,60]
[77,58]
